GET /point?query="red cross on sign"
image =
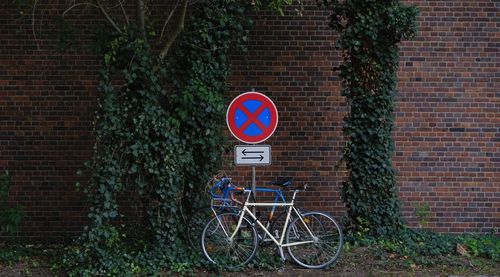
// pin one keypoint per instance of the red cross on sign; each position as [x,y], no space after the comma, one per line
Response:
[252,117]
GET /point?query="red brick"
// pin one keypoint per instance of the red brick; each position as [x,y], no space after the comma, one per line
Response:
[447,142]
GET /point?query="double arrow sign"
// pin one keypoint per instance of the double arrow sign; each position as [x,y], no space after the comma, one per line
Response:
[252,154]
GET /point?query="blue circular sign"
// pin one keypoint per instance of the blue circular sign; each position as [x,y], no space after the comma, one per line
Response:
[252,117]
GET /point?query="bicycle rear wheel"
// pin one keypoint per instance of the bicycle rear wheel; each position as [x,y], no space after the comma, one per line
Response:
[320,249]
[218,247]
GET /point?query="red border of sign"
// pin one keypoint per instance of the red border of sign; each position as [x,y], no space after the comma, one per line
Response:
[252,95]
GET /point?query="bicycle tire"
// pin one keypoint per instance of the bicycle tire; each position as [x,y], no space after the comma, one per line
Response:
[197,221]
[326,247]
[216,244]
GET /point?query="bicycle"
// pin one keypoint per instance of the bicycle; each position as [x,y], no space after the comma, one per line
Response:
[313,240]
[222,200]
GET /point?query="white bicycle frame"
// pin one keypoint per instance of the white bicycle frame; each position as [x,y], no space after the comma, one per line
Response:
[279,243]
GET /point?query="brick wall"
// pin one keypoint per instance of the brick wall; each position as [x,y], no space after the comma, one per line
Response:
[447,117]
[47,99]
[290,59]
[447,129]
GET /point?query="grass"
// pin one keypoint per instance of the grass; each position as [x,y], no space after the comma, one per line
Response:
[31,257]
[365,258]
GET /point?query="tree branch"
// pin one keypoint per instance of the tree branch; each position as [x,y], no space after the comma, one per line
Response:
[141,17]
[99,6]
[124,13]
[110,20]
[177,31]
[77,5]
[168,19]
[33,24]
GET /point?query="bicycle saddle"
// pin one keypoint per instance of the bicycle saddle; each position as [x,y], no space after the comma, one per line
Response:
[284,183]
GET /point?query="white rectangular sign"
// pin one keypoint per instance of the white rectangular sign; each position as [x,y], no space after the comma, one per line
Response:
[252,154]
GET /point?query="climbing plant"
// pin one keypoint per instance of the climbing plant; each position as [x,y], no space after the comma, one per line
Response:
[370,31]
[10,216]
[158,139]
[199,74]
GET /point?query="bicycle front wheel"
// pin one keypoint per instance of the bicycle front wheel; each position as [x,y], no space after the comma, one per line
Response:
[218,246]
[316,240]
[196,223]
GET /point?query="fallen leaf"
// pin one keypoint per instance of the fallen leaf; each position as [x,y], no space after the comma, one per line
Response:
[461,250]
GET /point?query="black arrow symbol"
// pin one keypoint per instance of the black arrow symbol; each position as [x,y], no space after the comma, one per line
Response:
[244,152]
[260,158]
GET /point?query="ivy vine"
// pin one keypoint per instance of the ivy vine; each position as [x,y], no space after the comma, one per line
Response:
[10,216]
[370,32]
[155,148]
[199,73]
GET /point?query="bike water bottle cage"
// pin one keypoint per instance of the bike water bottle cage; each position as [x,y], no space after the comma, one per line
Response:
[283,183]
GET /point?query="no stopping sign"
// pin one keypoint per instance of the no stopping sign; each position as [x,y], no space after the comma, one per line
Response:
[252,117]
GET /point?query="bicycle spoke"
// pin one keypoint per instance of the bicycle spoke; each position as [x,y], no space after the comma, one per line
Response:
[240,252]
[220,249]
[195,225]
[326,236]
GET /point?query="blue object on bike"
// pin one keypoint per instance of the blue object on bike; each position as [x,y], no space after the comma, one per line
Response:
[283,183]
[222,188]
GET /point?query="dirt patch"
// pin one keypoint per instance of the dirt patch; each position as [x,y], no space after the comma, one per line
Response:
[27,269]
[360,262]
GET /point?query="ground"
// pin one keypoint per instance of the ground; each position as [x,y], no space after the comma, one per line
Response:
[356,262]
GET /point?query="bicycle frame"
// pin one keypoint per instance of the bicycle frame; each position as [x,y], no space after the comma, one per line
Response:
[226,202]
[279,243]
[278,194]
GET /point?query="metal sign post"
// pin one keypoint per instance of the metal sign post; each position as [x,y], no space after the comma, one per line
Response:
[253,186]
[252,118]
[254,183]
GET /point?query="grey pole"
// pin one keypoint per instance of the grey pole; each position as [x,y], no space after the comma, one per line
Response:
[253,181]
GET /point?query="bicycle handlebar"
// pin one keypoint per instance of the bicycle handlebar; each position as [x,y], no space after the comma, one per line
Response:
[223,186]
